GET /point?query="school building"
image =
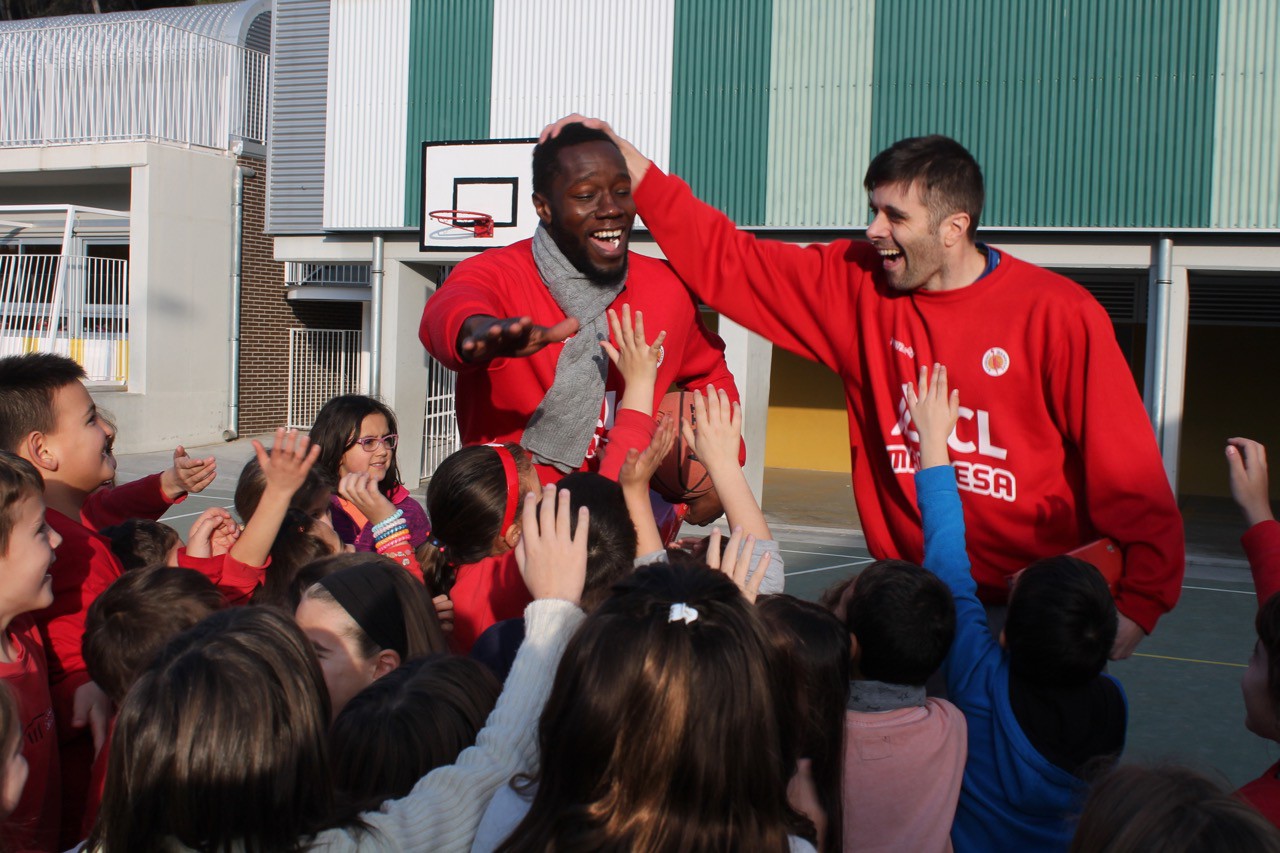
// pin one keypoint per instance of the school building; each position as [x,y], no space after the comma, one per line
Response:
[1133,147]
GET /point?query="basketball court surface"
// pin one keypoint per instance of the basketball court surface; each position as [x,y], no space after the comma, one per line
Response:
[1183,684]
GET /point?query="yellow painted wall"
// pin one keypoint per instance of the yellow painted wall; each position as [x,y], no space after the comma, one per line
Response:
[808,427]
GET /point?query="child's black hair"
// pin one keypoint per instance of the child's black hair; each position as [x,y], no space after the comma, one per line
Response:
[904,620]
[295,546]
[466,500]
[611,539]
[1061,623]
[336,428]
[141,542]
[815,648]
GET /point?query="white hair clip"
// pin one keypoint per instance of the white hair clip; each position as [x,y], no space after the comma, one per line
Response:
[682,613]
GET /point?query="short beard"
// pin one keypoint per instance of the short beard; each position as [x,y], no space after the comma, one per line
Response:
[606,279]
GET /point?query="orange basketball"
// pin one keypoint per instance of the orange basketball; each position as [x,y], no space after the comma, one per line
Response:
[681,477]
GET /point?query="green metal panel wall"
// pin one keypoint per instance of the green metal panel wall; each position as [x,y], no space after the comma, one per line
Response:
[720,103]
[1246,165]
[820,111]
[1081,112]
[450,66]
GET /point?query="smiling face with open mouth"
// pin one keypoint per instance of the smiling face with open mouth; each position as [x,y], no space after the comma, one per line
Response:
[909,243]
[589,210]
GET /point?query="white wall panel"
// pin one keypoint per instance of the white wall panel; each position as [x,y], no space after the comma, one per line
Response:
[555,57]
[365,120]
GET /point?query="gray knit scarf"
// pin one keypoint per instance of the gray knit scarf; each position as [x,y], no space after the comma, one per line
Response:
[873,697]
[560,430]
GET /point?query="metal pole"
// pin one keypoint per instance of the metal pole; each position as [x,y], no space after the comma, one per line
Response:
[375,316]
[1162,294]
[60,285]
[232,431]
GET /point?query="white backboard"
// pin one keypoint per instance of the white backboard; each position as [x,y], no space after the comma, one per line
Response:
[492,176]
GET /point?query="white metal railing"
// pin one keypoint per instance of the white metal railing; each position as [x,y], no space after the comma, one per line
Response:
[129,80]
[68,304]
[323,363]
[326,275]
[440,426]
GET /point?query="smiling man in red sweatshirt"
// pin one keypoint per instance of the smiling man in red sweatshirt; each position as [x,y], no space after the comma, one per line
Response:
[522,324]
[1053,448]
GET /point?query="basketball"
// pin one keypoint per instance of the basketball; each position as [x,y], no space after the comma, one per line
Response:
[680,478]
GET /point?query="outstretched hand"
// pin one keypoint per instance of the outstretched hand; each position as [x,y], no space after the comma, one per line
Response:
[640,466]
[736,561]
[1247,470]
[636,359]
[715,432]
[637,163]
[552,560]
[213,533]
[187,475]
[286,466]
[483,339]
[934,411]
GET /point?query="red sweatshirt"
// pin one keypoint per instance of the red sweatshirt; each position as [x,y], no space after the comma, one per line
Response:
[34,824]
[495,400]
[1053,448]
[84,567]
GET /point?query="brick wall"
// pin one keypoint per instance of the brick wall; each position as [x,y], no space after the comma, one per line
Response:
[266,317]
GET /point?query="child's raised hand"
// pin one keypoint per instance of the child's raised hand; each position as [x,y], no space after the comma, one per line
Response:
[640,466]
[187,475]
[736,561]
[636,359]
[1247,470]
[213,533]
[934,411]
[716,431]
[362,490]
[286,467]
[552,560]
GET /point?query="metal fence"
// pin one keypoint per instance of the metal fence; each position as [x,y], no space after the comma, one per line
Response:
[323,363]
[67,304]
[330,275]
[132,80]
[440,426]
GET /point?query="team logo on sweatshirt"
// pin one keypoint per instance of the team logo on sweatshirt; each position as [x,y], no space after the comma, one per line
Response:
[995,361]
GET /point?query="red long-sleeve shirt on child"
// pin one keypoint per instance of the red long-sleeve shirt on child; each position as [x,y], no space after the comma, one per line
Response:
[1262,546]
[82,570]
[1053,448]
[35,823]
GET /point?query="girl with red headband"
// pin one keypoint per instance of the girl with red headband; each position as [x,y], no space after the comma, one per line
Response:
[473,496]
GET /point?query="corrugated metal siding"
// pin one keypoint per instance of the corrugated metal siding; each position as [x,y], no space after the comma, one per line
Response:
[450,44]
[258,36]
[368,90]
[720,103]
[295,151]
[1246,164]
[1081,112]
[820,111]
[621,68]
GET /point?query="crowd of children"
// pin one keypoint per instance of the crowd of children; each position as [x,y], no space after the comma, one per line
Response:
[530,668]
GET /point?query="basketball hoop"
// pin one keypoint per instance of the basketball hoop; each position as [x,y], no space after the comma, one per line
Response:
[479,224]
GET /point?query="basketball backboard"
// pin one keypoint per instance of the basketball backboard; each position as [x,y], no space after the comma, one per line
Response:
[490,176]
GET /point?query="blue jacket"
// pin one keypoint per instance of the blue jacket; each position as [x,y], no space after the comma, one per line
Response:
[1012,797]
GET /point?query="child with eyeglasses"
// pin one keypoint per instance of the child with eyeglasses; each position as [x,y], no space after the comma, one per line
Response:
[372,509]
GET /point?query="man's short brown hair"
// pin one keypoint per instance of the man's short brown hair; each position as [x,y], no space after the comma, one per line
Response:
[949,179]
